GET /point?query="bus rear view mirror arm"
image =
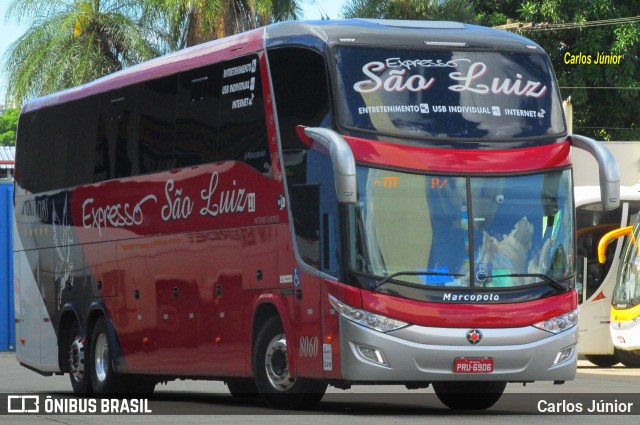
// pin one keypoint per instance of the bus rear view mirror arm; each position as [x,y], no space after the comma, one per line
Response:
[608,167]
[608,237]
[344,165]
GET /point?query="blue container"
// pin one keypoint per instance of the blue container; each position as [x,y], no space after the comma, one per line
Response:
[7,328]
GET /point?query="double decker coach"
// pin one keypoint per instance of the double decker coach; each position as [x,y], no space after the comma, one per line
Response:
[302,205]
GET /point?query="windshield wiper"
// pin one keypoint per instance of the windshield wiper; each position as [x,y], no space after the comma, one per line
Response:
[551,281]
[411,273]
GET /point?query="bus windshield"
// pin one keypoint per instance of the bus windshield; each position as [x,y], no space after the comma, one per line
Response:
[627,291]
[464,231]
[439,94]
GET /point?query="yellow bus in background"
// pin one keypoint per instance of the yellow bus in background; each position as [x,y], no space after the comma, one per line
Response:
[625,308]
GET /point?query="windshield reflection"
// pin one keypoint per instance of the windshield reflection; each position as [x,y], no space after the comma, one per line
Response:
[459,231]
[627,291]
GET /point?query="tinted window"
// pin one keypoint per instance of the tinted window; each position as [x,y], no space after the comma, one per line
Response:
[25,153]
[307,106]
[197,116]
[81,128]
[214,113]
[448,94]
[56,146]
[301,92]
[116,152]
[243,132]
[157,107]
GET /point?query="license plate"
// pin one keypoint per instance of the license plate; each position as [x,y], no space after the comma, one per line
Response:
[472,365]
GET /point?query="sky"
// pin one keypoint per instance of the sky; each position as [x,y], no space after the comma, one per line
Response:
[10,30]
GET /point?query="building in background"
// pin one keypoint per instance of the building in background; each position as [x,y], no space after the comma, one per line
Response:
[585,171]
[7,160]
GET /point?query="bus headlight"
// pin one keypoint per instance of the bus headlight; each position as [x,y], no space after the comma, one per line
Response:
[374,321]
[560,323]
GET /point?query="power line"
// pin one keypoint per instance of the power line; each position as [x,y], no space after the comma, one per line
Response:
[587,24]
[545,26]
[608,128]
[323,14]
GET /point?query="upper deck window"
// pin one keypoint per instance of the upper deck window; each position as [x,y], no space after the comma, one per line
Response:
[472,95]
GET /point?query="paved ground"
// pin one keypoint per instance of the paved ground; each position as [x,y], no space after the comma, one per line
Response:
[361,405]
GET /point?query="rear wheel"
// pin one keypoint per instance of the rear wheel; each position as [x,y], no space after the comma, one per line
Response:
[77,361]
[271,369]
[603,360]
[474,395]
[104,380]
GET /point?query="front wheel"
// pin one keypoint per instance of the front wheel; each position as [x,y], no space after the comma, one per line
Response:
[271,369]
[630,359]
[603,360]
[475,395]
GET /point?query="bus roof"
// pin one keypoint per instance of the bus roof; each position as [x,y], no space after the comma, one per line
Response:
[397,33]
[392,33]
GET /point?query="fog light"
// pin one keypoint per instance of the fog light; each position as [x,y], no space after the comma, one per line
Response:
[372,354]
[563,355]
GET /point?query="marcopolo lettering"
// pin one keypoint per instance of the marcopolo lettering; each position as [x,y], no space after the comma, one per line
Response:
[450,296]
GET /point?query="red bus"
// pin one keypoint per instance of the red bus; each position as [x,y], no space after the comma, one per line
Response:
[303,205]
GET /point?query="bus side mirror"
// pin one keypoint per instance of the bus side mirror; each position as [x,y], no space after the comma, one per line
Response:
[608,166]
[344,165]
[604,240]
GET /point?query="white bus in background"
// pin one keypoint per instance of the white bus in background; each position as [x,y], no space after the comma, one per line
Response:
[595,281]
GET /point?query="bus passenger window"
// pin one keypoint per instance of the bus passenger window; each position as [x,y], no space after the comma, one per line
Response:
[197,118]
[115,136]
[243,129]
[157,104]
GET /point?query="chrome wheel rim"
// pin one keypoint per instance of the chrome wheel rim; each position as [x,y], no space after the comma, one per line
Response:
[76,359]
[276,364]
[101,365]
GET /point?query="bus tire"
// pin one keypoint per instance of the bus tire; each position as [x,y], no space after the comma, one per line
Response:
[104,380]
[244,388]
[138,384]
[630,359]
[271,371]
[78,360]
[603,360]
[469,395]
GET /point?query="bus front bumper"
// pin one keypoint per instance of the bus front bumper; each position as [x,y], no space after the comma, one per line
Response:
[424,354]
[625,335]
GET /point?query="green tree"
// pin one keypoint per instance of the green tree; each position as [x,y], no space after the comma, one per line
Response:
[455,10]
[71,42]
[8,126]
[190,22]
[603,96]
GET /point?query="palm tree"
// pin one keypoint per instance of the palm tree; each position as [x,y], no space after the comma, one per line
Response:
[71,42]
[191,22]
[455,10]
